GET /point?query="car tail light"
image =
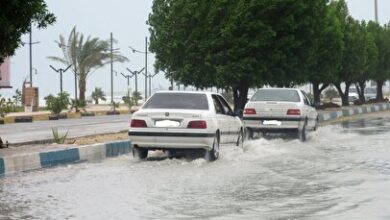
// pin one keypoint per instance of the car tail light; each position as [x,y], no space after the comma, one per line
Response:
[250,111]
[293,112]
[136,123]
[197,124]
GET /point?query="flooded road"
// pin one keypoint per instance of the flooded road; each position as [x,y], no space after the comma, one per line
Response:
[341,172]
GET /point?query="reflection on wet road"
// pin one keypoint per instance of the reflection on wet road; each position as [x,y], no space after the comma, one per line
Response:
[368,125]
[341,172]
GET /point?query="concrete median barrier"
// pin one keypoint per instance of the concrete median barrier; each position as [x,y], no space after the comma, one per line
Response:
[46,159]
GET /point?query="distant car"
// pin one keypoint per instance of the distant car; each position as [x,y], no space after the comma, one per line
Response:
[173,121]
[352,94]
[280,110]
[370,94]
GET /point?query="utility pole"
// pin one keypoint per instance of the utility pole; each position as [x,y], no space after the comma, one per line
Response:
[128,81]
[61,71]
[150,82]
[135,73]
[146,68]
[30,43]
[376,11]
[112,70]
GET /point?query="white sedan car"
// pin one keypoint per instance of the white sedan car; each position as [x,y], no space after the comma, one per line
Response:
[280,110]
[173,121]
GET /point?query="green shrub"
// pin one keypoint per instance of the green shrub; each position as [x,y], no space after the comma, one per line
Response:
[128,101]
[7,106]
[57,103]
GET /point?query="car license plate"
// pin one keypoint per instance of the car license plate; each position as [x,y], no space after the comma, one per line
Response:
[272,122]
[166,123]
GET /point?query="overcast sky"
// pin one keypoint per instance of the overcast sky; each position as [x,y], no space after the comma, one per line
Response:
[127,20]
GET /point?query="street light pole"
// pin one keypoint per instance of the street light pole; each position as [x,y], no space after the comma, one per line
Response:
[146,67]
[30,44]
[150,82]
[376,11]
[135,73]
[112,71]
[128,82]
[61,71]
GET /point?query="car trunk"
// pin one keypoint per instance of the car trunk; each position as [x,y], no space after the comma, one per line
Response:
[170,119]
[271,108]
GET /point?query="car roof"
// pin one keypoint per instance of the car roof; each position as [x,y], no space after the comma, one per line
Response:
[187,92]
[295,89]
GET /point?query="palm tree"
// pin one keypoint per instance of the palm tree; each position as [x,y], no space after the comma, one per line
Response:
[85,56]
[98,94]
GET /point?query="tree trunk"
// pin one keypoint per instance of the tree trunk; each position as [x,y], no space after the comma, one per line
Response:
[240,95]
[379,89]
[96,101]
[317,90]
[360,86]
[82,88]
[343,95]
[316,94]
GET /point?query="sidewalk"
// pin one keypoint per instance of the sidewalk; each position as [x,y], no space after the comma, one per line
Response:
[31,157]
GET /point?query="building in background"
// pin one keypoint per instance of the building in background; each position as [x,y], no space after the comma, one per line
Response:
[5,74]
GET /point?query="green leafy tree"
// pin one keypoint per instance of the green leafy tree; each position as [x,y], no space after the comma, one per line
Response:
[98,94]
[354,58]
[85,56]
[15,19]
[235,44]
[381,37]
[369,63]
[330,46]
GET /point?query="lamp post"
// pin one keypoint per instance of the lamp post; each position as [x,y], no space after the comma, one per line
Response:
[112,50]
[61,71]
[30,43]
[75,70]
[135,73]
[150,82]
[376,11]
[146,65]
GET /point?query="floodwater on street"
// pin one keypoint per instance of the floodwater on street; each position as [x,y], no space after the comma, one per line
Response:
[341,172]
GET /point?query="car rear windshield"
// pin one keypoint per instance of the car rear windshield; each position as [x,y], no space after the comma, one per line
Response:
[284,95]
[177,101]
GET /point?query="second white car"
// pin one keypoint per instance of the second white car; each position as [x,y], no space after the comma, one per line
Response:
[280,110]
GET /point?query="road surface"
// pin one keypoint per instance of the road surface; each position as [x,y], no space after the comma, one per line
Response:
[341,172]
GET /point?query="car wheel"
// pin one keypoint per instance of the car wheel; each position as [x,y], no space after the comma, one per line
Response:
[240,139]
[213,154]
[139,153]
[302,132]
[248,134]
[316,124]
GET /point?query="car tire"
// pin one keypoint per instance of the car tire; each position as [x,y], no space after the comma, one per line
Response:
[316,124]
[213,154]
[248,134]
[140,153]
[240,139]
[302,132]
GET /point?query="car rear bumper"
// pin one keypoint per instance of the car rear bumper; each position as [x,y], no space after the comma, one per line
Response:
[171,140]
[281,123]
